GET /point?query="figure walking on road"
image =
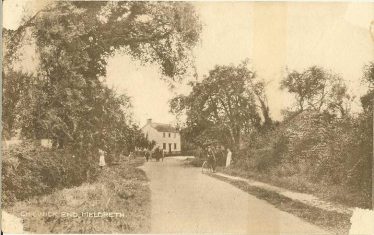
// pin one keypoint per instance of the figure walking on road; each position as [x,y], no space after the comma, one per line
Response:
[211,159]
[147,155]
[158,154]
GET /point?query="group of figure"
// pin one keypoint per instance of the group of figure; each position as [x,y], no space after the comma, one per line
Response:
[215,154]
[157,153]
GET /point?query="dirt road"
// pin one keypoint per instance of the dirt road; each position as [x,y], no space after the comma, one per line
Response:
[185,200]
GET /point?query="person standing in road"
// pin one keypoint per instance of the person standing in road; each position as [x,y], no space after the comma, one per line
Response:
[211,159]
[158,154]
[163,155]
[147,155]
[131,156]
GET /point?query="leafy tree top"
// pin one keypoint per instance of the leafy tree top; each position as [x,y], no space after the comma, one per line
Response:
[85,33]
[223,106]
[317,89]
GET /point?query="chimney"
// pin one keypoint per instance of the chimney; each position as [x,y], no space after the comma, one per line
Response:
[149,121]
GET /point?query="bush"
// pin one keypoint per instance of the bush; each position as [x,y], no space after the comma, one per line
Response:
[29,170]
[324,152]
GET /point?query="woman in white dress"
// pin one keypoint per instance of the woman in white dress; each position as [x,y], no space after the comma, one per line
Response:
[102,159]
[228,158]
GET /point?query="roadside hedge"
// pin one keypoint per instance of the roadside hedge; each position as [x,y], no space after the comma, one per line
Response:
[29,169]
[313,152]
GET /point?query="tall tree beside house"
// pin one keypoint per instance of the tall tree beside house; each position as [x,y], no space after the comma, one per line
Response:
[223,107]
[74,40]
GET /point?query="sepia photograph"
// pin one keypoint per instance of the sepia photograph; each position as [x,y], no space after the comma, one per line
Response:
[187,117]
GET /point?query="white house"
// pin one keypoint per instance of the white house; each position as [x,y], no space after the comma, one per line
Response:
[166,136]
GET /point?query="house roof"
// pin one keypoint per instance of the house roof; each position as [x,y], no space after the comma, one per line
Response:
[160,127]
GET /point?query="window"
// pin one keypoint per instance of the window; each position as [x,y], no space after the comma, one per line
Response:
[175,145]
[175,135]
[169,134]
[163,134]
[164,146]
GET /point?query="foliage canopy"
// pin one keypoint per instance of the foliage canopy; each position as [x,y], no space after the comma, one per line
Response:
[68,100]
[223,106]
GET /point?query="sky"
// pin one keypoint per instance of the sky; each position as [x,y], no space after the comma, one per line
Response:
[272,35]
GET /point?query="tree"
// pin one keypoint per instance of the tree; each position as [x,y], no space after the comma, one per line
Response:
[258,88]
[368,78]
[307,86]
[339,100]
[318,90]
[74,39]
[160,32]
[16,85]
[222,107]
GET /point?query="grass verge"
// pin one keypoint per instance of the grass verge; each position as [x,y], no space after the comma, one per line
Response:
[300,183]
[121,191]
[334,222]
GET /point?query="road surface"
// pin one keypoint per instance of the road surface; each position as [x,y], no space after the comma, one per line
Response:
[186,201]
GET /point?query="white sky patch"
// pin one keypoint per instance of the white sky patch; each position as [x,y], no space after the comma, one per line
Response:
[14,10]
[360,14]
[149,94]
[12,13]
